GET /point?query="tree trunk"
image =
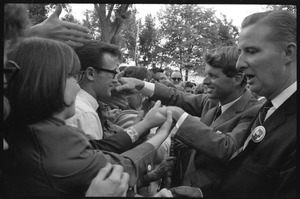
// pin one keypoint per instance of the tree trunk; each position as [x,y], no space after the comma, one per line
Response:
[110,31]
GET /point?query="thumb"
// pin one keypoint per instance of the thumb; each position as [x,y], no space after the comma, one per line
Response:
[168,123]
[57,11]
[157,104]
[120,74]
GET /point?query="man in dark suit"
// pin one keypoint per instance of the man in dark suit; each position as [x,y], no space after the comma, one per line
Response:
[265,166]
[213,139]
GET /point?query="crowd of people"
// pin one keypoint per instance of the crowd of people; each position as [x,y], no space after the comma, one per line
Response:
[75,124]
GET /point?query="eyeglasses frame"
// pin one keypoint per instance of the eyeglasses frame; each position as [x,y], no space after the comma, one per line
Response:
[114,72]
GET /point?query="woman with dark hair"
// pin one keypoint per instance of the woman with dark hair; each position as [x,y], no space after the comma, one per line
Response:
[46,156]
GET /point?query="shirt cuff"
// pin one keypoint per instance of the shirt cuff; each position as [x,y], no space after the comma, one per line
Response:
[148,89]
[133,134]
[181,119]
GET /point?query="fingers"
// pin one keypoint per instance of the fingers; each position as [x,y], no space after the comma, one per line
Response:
[122,87]
[117,173]
[120,74]
[103,172]
[119,178]
[74,35]
[164,193]
[167,124]
[169,117]
[163,110]
[125,183]
[157,104]
[75,26]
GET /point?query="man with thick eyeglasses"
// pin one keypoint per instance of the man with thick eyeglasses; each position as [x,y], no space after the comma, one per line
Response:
[99,65]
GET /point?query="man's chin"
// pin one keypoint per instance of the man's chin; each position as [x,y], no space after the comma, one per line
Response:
[211,96]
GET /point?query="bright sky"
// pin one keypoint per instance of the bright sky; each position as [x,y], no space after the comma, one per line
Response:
[234,12]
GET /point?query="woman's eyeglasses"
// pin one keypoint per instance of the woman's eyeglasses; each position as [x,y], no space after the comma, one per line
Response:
[10,70]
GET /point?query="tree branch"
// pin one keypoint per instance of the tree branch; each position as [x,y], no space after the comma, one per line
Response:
[110,11]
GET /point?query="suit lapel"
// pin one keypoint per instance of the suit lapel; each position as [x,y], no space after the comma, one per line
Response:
[231,112]
[279,115]
[275,120]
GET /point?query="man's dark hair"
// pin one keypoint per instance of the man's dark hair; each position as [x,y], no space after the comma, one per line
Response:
[136,72]
[224,57]
[91,53]
[189,84]
[157,70]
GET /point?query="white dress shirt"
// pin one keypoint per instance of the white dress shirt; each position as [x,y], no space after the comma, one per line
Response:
[86,117]
[282,97]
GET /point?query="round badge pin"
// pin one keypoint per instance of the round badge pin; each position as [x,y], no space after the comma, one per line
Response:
[258,134]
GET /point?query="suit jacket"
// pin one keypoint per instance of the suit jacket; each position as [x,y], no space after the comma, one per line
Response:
[50,158]
[213,142]
[266,169]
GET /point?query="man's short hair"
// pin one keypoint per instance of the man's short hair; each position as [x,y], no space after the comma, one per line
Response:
[283,24]
[224,57]
[136,72]
[189,84]
[91,53]
[157,70]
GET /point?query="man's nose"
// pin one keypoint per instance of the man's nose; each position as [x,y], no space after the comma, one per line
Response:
[241,64]
[206,80]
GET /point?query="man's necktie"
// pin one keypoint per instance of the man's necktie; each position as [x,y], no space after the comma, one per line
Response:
[262,114]
[218,112]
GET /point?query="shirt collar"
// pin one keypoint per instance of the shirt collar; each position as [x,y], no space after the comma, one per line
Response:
[85,95]
[226,106]
[284,95]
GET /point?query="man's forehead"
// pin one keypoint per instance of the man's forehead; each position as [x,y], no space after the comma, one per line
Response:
[254,33]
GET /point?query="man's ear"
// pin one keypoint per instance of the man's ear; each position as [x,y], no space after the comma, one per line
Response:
[89,73]
[239,78]
[290,53]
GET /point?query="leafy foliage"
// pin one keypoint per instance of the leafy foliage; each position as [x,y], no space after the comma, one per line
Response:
[129,36]
[148,41]
[291,8]
[189,31]
[37,12]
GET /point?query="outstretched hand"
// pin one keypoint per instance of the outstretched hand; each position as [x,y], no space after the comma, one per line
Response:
[155,118]
[129,85]
[176,111]
[54,28]
[109,184]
